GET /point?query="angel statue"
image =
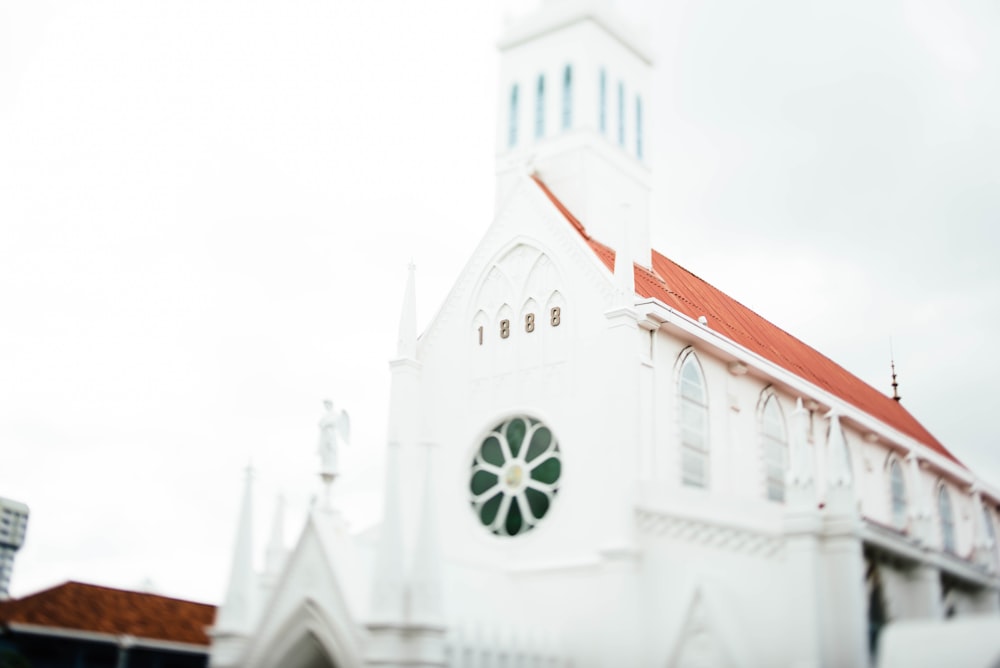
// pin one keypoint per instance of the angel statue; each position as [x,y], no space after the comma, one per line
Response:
[333,428]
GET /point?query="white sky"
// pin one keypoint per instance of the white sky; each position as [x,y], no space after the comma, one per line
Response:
[207,208]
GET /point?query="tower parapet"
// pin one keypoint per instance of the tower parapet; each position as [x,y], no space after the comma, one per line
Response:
[575,90]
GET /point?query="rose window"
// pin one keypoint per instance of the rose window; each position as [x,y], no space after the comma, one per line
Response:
[515,476]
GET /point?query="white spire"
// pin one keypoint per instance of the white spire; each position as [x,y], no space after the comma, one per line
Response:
[799,479]
[235,615]
[389,580]
[406,345]
[425,578]
[276,552]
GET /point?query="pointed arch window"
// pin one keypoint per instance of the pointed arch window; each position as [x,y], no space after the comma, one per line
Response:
[602,103]
[897,488]
[947,518]
[693,422]
[621,113]
[638,127]
[775,448]
[512,120]
[991,536]
[567,108]
[991,532]
[540,108]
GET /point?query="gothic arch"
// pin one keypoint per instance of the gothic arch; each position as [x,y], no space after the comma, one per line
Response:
[773,429]
[896,490]
[309,638]
[693,419]
[519,270]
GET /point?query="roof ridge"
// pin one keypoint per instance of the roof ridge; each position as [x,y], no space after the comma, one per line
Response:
[683,290]
[108,588]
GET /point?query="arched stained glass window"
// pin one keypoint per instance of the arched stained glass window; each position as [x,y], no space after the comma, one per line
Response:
[694,423]
[512,120]
[621,113]
[898,490]
[947,520]
[638,127]
[602,103]
[775,448]
[540,108]
[567,109]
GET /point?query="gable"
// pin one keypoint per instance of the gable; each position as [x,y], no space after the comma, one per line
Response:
[526,254]
[308,607]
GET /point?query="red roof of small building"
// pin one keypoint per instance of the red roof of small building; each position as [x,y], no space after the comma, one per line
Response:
[684,292]
[84,607]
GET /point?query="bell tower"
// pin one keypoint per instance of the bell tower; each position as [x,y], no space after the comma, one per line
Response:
[575,90]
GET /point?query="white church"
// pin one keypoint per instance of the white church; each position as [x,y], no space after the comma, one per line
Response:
[595,458]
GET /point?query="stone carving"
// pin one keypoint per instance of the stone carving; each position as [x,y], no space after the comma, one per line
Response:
[334,427]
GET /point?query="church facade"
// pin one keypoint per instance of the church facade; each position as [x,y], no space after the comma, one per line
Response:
[596,458]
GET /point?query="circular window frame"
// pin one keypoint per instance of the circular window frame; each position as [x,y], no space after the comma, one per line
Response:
[515,475]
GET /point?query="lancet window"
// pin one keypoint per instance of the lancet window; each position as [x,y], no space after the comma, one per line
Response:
[638,127]
[991,535]
[621,113]
[512,121]
[897,489]
[775,438]
[947,518]
[540,108]
[567,108]
[602,103]
[693,422]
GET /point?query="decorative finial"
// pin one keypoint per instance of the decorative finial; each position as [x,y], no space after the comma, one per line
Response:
[892,363]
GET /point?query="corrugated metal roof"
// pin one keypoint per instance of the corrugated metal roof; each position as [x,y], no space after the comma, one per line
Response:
[684,292]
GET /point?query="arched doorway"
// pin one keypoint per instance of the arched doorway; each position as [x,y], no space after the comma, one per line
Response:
[307,652]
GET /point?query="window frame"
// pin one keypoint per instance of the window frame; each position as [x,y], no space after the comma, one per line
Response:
[947,528]
[540,107]
[638,127]
[567,107]
[621,113]
[602,102]
[513,111]
[898,512]
[773,443]
[688,405]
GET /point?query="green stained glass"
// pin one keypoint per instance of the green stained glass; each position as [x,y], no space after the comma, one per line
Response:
[538,502]
[540,442]
[491,451]
[488,511]
[548,471]
[515,435]
[482,481]
[517,455]
[514,521]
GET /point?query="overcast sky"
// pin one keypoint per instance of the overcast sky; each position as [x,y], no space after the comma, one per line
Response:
[207,208]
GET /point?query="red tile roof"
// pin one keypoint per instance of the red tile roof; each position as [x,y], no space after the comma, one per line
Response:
[684,292]
[84,607]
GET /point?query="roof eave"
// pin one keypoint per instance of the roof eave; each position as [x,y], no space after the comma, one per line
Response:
[658,313]
[119,639]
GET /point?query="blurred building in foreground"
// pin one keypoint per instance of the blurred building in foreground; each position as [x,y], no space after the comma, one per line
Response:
[76,625]
[13,526]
